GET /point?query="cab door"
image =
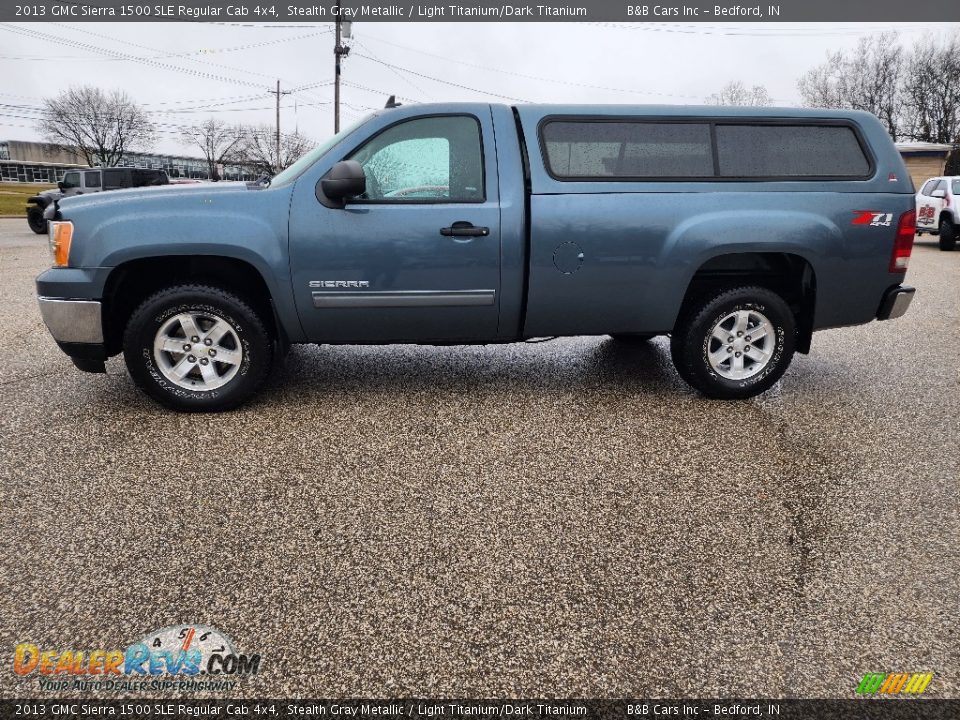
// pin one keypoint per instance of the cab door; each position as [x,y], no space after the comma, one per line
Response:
[416,258]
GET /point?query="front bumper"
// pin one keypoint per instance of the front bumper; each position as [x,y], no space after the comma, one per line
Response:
[895,302]
[77,327]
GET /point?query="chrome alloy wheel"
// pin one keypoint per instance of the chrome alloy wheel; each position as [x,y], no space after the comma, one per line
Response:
[197,351]
[741,344]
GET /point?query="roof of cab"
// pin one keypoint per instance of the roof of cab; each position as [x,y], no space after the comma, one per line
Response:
[707,111]
[656,110]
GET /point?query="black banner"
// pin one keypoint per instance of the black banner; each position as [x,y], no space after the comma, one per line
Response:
[668,11]
[354,709]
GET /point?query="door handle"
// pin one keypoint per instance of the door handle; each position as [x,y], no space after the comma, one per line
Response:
[461,228]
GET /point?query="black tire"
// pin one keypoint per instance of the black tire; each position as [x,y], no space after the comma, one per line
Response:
[156,313]
[693,340]
[948,234]
[36,220]
[632,337]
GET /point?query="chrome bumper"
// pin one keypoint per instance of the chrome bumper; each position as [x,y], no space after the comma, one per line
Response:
[72,321]
[895,302]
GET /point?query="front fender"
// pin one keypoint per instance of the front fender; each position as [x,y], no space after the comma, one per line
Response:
[241,224]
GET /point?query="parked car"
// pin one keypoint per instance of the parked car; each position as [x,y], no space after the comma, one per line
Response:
[738,232]
[79,182]
[937,210]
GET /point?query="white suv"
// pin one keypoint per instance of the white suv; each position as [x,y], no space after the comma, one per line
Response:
[937,210]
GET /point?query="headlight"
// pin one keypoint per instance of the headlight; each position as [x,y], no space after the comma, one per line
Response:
[61,235]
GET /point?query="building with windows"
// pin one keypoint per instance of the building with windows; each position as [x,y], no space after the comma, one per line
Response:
[924,160]
[34,162]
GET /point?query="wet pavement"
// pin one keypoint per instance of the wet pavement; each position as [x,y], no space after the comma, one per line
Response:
[556,519]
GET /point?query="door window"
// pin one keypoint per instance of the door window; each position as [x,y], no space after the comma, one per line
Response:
[71,180]
[425,160]
[92,179]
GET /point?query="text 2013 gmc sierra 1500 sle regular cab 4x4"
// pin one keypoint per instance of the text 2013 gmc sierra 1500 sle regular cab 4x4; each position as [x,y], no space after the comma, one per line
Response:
[737,231]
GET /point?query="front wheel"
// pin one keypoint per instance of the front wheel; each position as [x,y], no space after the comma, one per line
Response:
[197,348]
[948,235]
[736,344]
[36,220]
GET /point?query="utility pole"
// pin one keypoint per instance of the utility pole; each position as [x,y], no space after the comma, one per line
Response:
[339,50]
[278,94]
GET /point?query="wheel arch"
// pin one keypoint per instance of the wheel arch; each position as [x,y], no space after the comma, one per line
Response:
[789,274]
[133,281]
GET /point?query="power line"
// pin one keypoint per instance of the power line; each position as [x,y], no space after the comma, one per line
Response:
[538,78]
[166,56]
[157,50]
[381,93]
[441,80]
[37,35]
[396,72]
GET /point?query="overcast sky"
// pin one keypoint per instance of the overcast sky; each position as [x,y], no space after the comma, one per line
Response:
[187,72]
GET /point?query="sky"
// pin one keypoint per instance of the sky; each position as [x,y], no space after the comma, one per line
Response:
[183,73]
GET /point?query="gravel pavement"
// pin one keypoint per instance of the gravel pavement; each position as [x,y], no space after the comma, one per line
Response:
[557,519]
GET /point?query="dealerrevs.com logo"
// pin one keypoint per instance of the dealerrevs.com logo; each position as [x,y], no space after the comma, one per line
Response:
[894,683]
[179,657]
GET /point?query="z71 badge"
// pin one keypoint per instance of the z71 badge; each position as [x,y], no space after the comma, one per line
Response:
[873,218]
[339,283]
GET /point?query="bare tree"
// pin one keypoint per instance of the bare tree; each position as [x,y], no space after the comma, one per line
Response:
[258,149]
[869,78]
[823,86]
[101,127]
[932,95]
[218,141]
[736,93]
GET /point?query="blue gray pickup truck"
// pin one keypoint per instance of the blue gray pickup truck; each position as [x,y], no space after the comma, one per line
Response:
[738,232]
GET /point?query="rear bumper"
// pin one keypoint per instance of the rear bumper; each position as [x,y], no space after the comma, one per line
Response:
[76,326]
[895,302]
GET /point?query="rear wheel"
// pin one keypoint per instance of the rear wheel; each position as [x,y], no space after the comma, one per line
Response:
[36,221]
[736,344]
[948,234]
[197,348]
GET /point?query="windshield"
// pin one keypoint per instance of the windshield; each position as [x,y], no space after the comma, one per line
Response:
[298,168]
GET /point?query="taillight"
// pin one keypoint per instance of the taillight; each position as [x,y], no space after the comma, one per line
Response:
[903,245]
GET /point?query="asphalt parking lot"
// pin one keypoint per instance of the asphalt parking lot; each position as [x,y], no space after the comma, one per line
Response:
[559,519]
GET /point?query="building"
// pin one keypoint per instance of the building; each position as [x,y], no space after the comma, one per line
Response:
[924,160]
[33,162]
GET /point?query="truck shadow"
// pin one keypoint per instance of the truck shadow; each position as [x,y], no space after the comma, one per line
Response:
[559,365]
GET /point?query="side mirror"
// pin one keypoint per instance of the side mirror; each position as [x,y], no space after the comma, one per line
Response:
[61,187]
[345,180]
[939,194]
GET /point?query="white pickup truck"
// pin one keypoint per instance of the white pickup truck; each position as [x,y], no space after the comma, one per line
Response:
[937,210]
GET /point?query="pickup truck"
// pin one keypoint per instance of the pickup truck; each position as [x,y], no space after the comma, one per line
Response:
[738,232]
[937,210]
